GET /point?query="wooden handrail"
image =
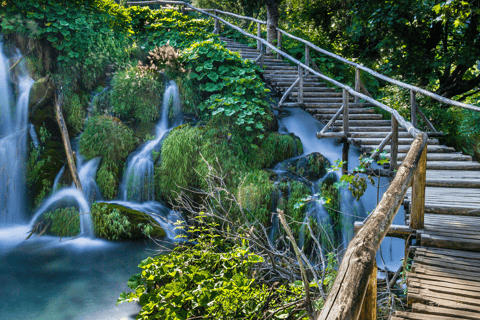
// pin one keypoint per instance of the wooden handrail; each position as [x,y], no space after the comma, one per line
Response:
[383,77]
[346,298]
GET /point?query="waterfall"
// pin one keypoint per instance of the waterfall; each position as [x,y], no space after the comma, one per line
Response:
[138,184]
[13,140]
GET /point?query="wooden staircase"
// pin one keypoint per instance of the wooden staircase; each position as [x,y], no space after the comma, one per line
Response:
[452,208]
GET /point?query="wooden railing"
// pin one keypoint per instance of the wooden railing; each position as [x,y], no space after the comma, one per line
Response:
[354,291]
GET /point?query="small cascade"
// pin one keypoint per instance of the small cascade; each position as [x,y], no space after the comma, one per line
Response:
[13,139]
[138,184]
[59,175]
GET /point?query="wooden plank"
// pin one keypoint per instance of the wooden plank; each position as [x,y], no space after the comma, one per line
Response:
[414,275]
[443,264]
[436,287]
[449,243]
[421,269]
[445,311]
[429,295]
[457,253]
[422,316]
[453,272]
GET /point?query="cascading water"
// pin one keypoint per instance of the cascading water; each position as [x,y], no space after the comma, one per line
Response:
[137,184]
[13,140]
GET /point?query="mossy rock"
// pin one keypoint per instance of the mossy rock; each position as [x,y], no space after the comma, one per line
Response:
[116,222]
[277,147]
[40,94]
[312,166]
[63,222]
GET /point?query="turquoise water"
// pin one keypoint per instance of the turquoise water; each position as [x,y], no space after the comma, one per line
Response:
[43,278]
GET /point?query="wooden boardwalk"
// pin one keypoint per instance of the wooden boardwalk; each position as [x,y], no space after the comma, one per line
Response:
[445,278]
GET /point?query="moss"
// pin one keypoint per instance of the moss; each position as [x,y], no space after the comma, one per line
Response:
[255,195]
[63,222]
[116,222]
[109,138]
[330,191]
[179,157]
[75,111]
[295,213]
[277,147]
[136,95]
[189,97]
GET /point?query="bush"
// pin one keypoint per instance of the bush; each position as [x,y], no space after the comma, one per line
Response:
[294,212]
[63,222]
[209,279]
[108,180]
[277,147]
[115,222]
[136,94]
[255,195]
[75,111]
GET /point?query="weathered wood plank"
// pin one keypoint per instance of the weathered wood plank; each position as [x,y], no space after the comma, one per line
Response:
[418,307]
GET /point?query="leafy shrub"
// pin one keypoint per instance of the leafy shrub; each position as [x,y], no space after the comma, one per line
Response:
[115,222]
[331,193]
[277,147]
[63,222]
[294,212]
[255,195]
[157,28]
[136,93]
[107,137]
[179,154]
[108,180]
[74,108]
[209,279]
[229,84]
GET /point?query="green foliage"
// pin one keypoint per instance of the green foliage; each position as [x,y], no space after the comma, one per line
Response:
[115,222]
[107,137]
[136,94]
[469,131]
[157,28]
[295,213]
[37,163]
[330,191]
[255,195]
[277,147]
[230,86]
[210,278]
[63,222]
[86,35]
[75,111]
[179,156]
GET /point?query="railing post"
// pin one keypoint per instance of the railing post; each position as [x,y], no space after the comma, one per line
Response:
[346,129]
[259,34]
[369,308]
[279,43]
[262,57]
[417,205]
[413,103]
[307,58]
[357,83]
[216,29]
[182,10]
[394,144]
[300,85]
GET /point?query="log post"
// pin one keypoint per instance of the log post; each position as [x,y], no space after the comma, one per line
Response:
[216,29]
[417,206]
[413,111]
[346,129]
[307,58]
[66,144]
[279,43]
[394,144]
[357,83]
[369,308]
[182,10]
[262,56]
[259,34]
[300,85]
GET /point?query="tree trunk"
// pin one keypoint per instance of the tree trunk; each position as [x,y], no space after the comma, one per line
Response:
[66,144]
[272,20]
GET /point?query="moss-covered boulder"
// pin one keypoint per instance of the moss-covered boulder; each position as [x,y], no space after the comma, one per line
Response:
[116,222]
[63,222]
[278,147]
[40,94]
[311,167]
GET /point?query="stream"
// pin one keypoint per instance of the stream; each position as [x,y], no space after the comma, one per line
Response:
[81,278]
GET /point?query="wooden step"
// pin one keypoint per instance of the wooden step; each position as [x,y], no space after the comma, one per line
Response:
[363,123]
[334,110]
[318,95]
[453,156]
[313,87]
[288,84]
[364,116]
[336,105]
[369,129]
[401,141]
[453,178]
[453,165]
[380,135]
[406,148]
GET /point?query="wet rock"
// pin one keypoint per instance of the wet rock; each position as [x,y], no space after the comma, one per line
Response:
[311,167]
[40,94]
